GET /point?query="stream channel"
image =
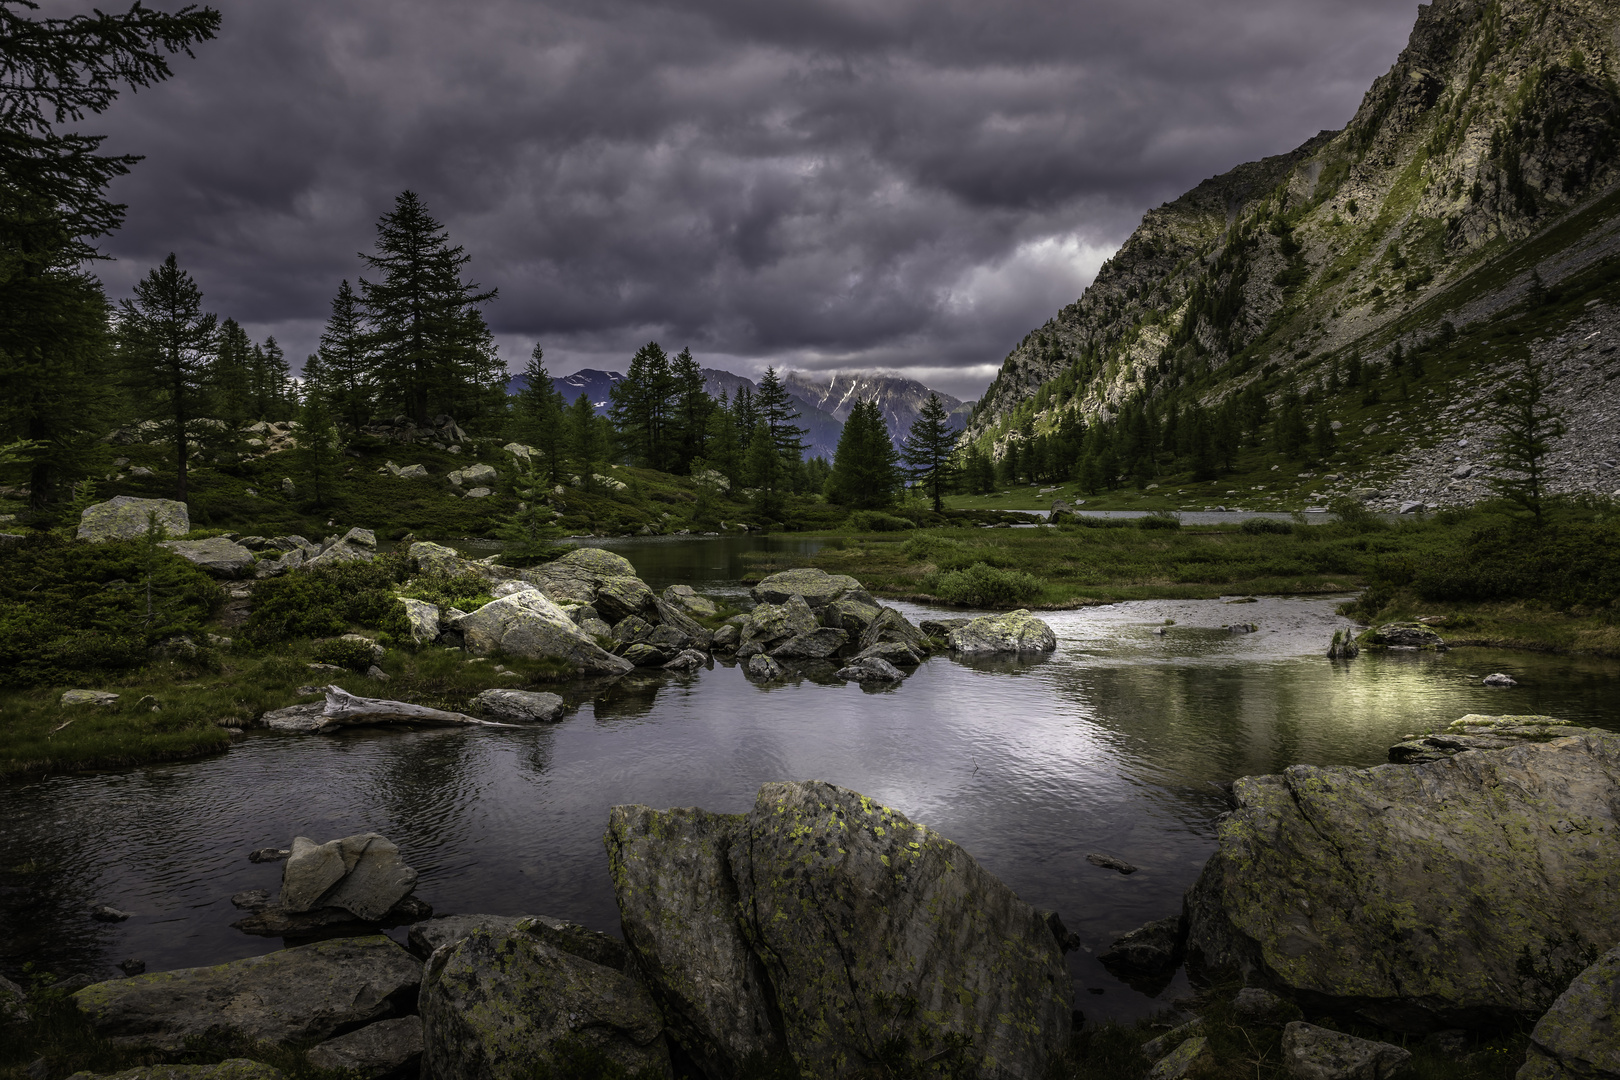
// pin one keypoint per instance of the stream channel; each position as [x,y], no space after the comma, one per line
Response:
[1119,743]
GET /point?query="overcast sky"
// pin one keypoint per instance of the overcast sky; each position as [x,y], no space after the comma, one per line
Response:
[909,185]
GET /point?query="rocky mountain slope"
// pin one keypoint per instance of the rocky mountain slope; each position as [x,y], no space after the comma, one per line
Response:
[901,399]
[1480,172]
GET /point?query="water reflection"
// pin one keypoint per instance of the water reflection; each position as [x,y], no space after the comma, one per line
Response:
[1120,743]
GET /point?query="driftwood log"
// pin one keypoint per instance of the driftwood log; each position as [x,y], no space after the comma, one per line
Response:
[343,709]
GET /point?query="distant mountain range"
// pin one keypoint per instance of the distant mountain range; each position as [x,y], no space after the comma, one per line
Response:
[824,402]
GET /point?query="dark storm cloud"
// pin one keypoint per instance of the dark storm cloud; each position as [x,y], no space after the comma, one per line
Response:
[839,183]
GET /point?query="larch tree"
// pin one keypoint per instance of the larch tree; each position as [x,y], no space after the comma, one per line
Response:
[690,414]
[775,409]
[428,340]
[928,448]
[641,406]
[320,446]
[168,341]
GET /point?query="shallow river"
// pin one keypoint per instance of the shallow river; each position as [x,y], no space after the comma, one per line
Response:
[1118,744]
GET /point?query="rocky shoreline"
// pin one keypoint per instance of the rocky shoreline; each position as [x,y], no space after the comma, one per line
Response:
[1432,900]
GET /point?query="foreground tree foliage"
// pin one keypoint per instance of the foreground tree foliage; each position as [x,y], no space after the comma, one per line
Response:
[53,204]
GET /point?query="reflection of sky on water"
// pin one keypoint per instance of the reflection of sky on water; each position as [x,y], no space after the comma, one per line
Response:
[1119,744]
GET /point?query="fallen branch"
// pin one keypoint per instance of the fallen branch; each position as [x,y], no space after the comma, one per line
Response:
[62,725]
[343,708]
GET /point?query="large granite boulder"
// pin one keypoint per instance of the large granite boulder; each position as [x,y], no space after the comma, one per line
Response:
[817,644]
[528,624]
[13,1002]
[1454,893]
[674,617]
[816,587]
[126,518]
[216,556]
[599,578]
[1011,632]
[1579,1037]
[438,559]
[363,875]
[1406,636]
[833,927]
[495,1005]
[770,624]
[308,993]
[850,616]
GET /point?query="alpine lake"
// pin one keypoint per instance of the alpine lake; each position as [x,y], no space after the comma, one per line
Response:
[1121,743]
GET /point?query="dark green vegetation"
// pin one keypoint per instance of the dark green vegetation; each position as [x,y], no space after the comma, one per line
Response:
[1492,574]
[1101,1052]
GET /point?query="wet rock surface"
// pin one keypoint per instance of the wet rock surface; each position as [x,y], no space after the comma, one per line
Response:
[519,706]
[1016,632]
[495,1004]
[1579,1037]
[528,624]
[845,912]
[311,992]
[1319,870]
[1476,732]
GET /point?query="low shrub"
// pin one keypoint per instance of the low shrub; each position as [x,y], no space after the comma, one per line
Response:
[70,608]
[982,585]
[1262,526]
[1161,519]
[354,655]
[328,601]
[878,521]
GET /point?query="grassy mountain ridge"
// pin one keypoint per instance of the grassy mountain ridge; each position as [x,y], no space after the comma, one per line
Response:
[1488,152]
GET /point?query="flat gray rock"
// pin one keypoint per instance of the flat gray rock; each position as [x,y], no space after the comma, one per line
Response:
[1318,1053]
[816,587]
[216,556]
[363,874]
[126,518]
[818,644]
[306,993]
[871,669]
[386,1048]
[519,706]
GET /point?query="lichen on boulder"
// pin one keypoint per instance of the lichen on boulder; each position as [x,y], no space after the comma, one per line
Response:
[1453,893]
[870,934]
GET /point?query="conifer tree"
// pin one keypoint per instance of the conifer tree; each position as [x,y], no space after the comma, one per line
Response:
[537,417]
[1323,436]
[346,359]
[927,450]
[1528,425]
[320,447]
[641,406]
[690,419]
[228,375]
[865,471]
[723,450]
[168,341]
[54,346]
[529,530]
[745,416]
[765,472]
[776,411]
[587,442]
[429,344]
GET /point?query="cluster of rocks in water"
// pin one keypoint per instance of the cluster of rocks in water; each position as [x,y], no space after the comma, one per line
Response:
[1437,900]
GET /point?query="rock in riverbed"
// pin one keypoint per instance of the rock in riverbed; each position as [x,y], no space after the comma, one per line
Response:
[358,877]
[306,993]
[1359,890]
[519,706]
[1475,732]
[804,924]
[1013,632]
[528,624]
[816,588]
